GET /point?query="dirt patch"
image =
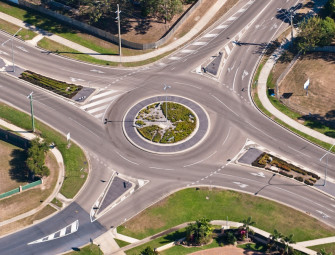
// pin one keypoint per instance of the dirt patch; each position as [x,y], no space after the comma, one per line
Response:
[144,219]
[229,249]
[319,68]
[32,198]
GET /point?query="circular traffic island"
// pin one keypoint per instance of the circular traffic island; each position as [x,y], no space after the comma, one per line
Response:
[165,124]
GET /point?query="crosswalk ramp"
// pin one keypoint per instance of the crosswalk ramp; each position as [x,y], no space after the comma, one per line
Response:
[98,104]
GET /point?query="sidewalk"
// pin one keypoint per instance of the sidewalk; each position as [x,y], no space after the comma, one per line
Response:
[61,173]
[193,32]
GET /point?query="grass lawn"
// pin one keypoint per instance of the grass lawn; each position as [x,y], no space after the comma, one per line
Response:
[12,167]
[56,202]
[74,157]
[32,198]
[27,221]
[90,249]
[330,247]
[121,243]
[191,204]
[24,34]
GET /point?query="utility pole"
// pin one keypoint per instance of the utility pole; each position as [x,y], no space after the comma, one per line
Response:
[291,19]
[165,89]
[324,184]
[32,111]
[119,28]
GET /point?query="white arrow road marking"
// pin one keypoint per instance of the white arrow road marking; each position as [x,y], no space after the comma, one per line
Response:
[96,71]
[260,174]
[323,214]
[231,68]
[245,73]
[241,185]
[273,27]
[21,48]
[76,79]
[73,228]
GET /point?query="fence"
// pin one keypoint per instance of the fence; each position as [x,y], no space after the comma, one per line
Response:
[10,137]
[21,188]
[106,35]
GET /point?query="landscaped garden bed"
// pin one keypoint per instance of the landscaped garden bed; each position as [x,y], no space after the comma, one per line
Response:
[280,166]
[59,87]
[152,123]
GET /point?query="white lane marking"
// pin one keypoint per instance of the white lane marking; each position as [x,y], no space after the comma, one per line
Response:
[226,137]
[96,71]
[232,18]
[262,131]
[221,27]
[98,115]
[225,105]
[98,109]
[242,185]
[299,152]
[108,92]
[84,127]
[21,48]
[199,43]
[126,158]
[62,233]
[241,10]
[187,84]
[227,49]
[76,79]
[98,102]
[210,35]
[323,214]
[201,160]
[5,53]
[187,51]
[174,58]
[160,168]
[235,78]
[259,174]
[245,73]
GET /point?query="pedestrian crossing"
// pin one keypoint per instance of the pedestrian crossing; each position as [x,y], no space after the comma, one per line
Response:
[99,102]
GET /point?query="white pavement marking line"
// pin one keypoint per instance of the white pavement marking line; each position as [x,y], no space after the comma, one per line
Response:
[274,26]
[76,79]
[187,51]
[242,185]
[259,130]
[241,10]
[126,158]
[159,168]
[299,152]
[210,35]
[108,92]
[174,58]
[225,105]
[235,78]
[5,53]
[181,83]
[232,18]
[245,73]
[259,174]
[325,216]
[96,71]
[231,68]
[62,233]
[227,49]
[199,43]
[226,137]
[98,109]
[201,160]
[86,106]
[85,127]
[221,26]
[21,48]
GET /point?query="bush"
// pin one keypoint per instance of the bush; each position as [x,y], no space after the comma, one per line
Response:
[299,178]
[257,163]
[286,174]
[308,182]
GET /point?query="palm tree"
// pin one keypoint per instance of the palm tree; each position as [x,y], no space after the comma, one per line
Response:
[286,241]
[246,223]
[275,238]
[199,231]
[323,252]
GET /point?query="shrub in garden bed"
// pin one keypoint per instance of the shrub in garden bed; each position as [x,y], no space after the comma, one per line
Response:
[308,182]
[259,162]
[285,174]
[299,178]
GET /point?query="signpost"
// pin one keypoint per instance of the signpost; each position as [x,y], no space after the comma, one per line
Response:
[306,85]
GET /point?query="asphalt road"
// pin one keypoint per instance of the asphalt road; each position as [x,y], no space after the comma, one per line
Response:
[233,120]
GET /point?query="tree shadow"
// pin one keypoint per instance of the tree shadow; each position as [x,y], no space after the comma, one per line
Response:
[316,121]
[143,25]
[285,14]
[19,171]
[326,56]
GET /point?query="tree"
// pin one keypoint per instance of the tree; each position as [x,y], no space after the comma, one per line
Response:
[330,8]
[200,231]
[323,252]
[148,251]
[36,158]
[286,241]
[231,239]
[275,238]
[246,224]
[162,9]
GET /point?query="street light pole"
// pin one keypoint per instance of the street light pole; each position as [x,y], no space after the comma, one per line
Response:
[12,47]
[32,111]
[324,184]
[119,28]
[165,89]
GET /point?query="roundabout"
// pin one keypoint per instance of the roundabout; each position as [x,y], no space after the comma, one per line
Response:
[146,120]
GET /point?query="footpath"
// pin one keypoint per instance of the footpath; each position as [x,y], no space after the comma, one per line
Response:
[114,249]
[174,45]
[61,173]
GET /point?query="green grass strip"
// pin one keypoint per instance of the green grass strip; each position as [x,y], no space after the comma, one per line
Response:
[329,247]
[74,157]
[121,243]
[90,249]
[24,34]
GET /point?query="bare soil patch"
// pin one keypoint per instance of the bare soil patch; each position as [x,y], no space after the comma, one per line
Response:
[32,198]
[229,249]
[319,68]
[13,171]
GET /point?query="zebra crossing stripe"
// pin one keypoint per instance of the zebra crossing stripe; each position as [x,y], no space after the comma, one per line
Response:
[221,26]
[187,51]
[227,49]
[241,10]
[174,58]
[59,233]
[98,115]
[210,35]
[199,43]
[104,94]
[98,109]
[232,18]
[98,102]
